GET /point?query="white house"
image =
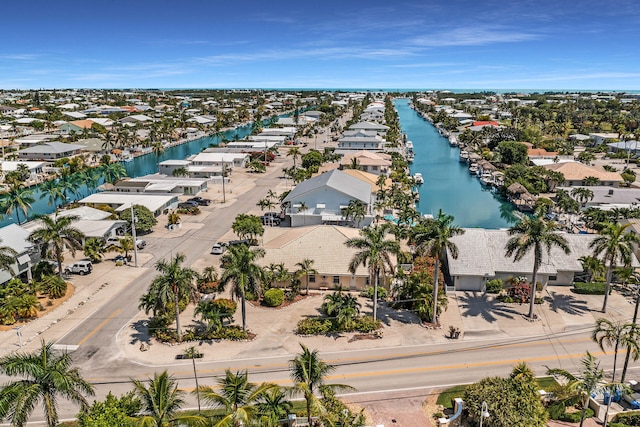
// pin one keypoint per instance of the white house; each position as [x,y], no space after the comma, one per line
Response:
[17,238]
[229,160]
[321,199]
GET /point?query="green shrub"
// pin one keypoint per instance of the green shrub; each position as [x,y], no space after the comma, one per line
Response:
[368,293]
[314,326]
[54,286]
[630,418]
[574,417]
[366,324]
[494,286]
[596,288]
[274,297]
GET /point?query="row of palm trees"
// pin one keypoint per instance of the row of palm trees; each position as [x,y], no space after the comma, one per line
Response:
[45,376]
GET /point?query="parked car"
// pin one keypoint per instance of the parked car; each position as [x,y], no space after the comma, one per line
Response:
[79,267]
[239,242]
[187,205]
[218,248]
[270,218]
[200,201]
[115,241]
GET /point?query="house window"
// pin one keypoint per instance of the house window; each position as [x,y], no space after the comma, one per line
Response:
[336,280]
[312,278]
[553,278]
[366,281]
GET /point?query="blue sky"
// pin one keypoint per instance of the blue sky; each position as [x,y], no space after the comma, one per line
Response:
[454,44]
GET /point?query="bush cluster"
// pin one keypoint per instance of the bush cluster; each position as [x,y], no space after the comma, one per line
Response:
[494,286]
[368,293]
[625,419]
[596,288]
[574,417]
[321,326]
[274,297]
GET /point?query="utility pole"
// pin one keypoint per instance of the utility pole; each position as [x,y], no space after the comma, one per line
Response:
[133,234]
[224,173]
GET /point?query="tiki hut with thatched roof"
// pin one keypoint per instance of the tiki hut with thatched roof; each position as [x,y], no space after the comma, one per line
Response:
[520,197]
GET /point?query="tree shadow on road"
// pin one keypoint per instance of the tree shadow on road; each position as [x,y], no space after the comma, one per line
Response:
[473,304]
[567,303]
[142,332]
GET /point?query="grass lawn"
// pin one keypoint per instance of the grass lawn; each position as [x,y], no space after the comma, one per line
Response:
[446,397]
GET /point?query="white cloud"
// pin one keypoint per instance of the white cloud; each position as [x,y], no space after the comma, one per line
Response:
[473,36]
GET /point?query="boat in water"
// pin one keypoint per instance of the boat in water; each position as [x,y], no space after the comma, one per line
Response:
[473,169]
[464,156]
[417,177]
[410,156]
[453,141]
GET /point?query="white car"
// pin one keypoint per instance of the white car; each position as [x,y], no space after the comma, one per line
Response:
[218,249]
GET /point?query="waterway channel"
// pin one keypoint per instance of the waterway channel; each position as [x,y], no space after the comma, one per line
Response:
[139,166]
[448,185]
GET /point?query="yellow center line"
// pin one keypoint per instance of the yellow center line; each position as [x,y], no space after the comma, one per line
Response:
[100,326]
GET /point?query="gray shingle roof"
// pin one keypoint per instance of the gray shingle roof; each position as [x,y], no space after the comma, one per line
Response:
[337,180]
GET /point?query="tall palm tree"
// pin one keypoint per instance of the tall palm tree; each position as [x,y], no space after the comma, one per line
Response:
[295,153]
[57,233]
[53,191]
[43,376]
[617,335]
[274,404]
[7,258]
[615,244]
[434,240]
[161,401]
[237,396]
[174,284]
[580,386]
[241,270]
[308,373]
[113,172]
[305,267]
[16,199]
[374,251]
[534,234]
[193,353]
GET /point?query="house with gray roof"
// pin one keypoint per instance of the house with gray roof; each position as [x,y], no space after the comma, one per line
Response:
[50,151]
[482,257]
[322,199]
[17,238]
[377,127]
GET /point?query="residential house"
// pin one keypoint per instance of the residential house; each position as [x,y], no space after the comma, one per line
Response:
[325,245]
[603,137]
[322,199]
[375,163]
[50,151]
[157,203]
[17,238]
[228,160]
[163,184]
[361,140]
[482,257]
[575,174]
[370,126]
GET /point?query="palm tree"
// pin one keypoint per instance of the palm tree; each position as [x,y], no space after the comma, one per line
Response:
[57,233]
[434,240]
[375,251]
[174,284]
[242,271]
[113,172]
[53,191]
[193,353]
[7,258]
[582,385]
[616,247]
[308,373]
[274,405]
[534,233]
[582,194]
[237,396]
[16,199]
[44,376]
[593,267]
[161,401]
[617,335]
[305,267]
[295,153]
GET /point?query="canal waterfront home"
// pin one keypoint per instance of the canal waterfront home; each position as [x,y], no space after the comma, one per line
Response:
[323,198]
[156,203]
[52,150]
[575,174]
[367,161]
[481,257]
[380,129]
[158,183]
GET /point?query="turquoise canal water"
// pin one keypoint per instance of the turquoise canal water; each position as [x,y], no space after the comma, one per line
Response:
[139,166]
[448,185]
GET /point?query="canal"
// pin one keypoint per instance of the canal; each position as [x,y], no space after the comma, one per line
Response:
[448,185]
[139,166]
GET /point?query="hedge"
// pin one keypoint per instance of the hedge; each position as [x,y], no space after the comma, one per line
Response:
[574,417]
[630,418]
[595,288]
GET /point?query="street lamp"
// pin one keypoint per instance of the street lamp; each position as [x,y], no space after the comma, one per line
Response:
[484,412]
[133,234]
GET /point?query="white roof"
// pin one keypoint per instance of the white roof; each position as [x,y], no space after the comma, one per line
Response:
[9,166]
[15,237]
[52,147]
[175,162]
[218,157]
[152,201]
